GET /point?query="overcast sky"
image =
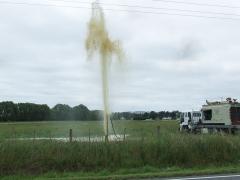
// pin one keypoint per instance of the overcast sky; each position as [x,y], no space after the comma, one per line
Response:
[172,62]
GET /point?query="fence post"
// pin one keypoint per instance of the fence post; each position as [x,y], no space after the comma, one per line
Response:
[14,136]
[70,135]
[89,135]
[106,139]
[50,135]
[34,134]
[142,134]
[158,130]
[124,134]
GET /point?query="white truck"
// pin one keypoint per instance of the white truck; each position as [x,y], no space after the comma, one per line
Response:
[189,119]
[219,116]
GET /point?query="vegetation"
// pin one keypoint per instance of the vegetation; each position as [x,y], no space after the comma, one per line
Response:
[84,128]
[133,173]
[19,112]
[145,147]
[168,151]
[11,112]
[146,115]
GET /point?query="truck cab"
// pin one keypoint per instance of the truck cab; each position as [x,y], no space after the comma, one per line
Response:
[196,117]
[189,119]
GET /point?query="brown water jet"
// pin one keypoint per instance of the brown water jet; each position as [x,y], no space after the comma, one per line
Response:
[98,41]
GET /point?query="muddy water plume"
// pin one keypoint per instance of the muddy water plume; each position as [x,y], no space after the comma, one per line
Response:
[99,42]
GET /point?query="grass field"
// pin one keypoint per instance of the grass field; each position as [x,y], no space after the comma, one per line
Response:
[61,129]
[144,147]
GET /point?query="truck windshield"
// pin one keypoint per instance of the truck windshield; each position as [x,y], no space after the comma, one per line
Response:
[197,114]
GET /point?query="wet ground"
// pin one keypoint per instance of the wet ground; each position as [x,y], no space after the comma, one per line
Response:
[117,137]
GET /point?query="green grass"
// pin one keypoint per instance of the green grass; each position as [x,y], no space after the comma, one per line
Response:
[144,148]
[61,129]
[134,173]
[169,150]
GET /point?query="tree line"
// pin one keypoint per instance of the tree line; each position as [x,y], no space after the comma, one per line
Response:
[10,111]
[147,115]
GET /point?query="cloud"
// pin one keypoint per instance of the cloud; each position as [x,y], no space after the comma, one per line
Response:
[171,62]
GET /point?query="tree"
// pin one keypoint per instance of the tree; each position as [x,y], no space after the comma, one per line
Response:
[61,112]
[8,111]
[153,115]
[32,112]
[81,113]
[96,115]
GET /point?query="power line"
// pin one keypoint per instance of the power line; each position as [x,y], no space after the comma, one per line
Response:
[121,10]
[150,7]
[200,4]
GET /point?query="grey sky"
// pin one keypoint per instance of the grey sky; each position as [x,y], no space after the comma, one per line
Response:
[172,62]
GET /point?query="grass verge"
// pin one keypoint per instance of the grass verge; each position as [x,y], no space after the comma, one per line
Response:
[136,173]
[185,151]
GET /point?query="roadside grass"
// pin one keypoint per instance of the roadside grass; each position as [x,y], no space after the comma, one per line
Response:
[170,150]
[144,153]
[135,173]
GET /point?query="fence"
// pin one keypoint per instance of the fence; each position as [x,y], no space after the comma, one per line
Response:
[71,136]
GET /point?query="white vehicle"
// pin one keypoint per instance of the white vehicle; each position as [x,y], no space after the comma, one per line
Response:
[190,119]
[219,116]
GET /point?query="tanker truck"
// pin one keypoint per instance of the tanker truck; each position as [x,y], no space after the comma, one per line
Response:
[218,116]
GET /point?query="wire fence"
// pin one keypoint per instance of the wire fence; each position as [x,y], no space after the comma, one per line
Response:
[71,135]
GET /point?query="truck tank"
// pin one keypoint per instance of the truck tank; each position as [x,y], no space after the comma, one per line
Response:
[221,113]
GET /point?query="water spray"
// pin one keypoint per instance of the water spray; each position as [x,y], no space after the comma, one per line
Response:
[98,41]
